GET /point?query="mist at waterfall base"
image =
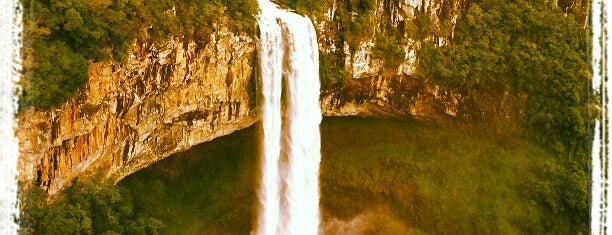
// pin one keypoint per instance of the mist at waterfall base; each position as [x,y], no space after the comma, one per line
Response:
[10,42]
[289,193]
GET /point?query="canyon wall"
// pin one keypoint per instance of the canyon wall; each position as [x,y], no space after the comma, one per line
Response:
[374,90]
[168,98]
[165,99]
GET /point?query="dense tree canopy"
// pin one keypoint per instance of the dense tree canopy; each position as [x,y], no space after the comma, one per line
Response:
[528,49]
[534,51]
[539,55]
[90,205]
[62,37]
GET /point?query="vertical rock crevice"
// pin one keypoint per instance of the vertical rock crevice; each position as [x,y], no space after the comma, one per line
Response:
[163,100]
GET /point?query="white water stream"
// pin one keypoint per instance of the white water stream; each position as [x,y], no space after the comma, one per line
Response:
[289,194]
[10,60]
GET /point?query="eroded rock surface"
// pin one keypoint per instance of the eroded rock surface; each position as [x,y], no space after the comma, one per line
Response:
[168,98]
[130,115]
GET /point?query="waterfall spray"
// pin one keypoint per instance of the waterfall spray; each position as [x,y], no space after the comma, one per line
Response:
[289,194]
[10,42]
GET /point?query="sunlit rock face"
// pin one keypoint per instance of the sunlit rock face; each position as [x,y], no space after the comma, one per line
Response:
[165,99]
[378,91]
[373,90]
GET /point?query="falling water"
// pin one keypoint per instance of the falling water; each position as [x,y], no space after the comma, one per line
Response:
[271,62]
[304,116]
[10,44]
[596,173]
[289,195]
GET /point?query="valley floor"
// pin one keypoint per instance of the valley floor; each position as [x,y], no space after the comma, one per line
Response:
[377,177]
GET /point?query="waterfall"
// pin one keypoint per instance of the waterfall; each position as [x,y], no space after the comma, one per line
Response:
[270,61]
[10,42]
[303,139]
[289,193]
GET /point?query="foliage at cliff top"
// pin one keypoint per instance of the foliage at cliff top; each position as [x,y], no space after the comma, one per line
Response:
[532,52]
[355,21]
[91,205]
[62,37]
[536,54]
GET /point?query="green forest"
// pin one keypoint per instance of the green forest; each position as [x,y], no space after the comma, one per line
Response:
[90,205]
[528,50]
[63,37]
[540,57]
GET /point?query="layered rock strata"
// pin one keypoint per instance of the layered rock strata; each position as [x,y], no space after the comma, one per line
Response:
[164,99]
[168,98]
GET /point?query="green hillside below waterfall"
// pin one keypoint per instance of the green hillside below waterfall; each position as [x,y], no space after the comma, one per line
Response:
[520,71]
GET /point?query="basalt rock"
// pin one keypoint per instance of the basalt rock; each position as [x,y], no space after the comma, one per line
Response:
[164,99]
[168,98]
[372,90]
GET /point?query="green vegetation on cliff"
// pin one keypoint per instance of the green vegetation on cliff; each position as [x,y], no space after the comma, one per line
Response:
[529,58]
[539,57]
[209,189]
[63,37]
[399,177]
[355,21]
[90,205]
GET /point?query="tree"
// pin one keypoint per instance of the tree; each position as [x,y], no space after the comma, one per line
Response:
[535,53]
[91,205]
[79,32]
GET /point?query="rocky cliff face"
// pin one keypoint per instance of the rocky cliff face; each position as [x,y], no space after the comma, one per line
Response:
[371,89]
[374,90]
[165,99]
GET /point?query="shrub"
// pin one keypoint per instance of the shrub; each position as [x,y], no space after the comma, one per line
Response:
[62,37]
[91,205]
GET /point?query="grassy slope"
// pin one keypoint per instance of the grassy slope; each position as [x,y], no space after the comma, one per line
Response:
[438,180]
[206,190]
[403,176]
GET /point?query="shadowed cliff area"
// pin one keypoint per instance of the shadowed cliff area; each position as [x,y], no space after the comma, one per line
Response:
[486,64]
[191,77]
[377,177]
